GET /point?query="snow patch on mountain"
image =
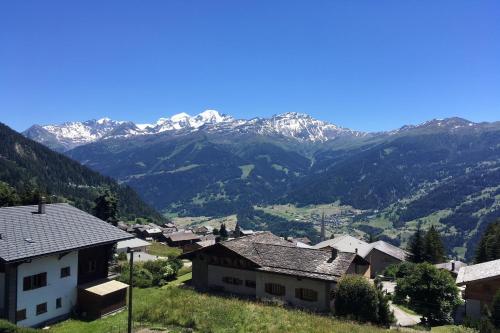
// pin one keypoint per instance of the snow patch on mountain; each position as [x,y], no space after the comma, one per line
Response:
[294,125]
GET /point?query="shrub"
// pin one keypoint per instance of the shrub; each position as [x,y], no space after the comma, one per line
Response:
[358,299]
[142,278]
[399,270]
[162,270]
[430,292]
[122,256]
[7,327]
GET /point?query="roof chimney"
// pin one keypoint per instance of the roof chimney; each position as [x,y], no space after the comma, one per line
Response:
[41,206]
[356,250]
[334,253]
[452,265]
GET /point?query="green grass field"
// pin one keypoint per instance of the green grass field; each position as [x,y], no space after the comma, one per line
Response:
[184,310]
[158,249]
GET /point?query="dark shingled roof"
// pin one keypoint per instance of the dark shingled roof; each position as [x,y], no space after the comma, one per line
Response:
[26,234]
[304,262]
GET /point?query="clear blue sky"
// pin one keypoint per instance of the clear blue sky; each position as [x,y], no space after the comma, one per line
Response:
[367,65]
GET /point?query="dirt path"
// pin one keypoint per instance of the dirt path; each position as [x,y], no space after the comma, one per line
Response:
[403,318]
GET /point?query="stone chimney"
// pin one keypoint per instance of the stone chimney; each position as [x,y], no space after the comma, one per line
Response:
[334,253]
[41,206]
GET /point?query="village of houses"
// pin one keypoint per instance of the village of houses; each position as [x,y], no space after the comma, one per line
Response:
[54,262]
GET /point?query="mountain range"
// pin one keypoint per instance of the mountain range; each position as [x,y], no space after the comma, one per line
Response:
[28,168]
[297,126]
[444,171]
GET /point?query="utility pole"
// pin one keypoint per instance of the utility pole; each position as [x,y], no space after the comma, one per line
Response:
[130,287]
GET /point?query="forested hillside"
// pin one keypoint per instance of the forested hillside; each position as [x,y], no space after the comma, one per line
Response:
[28,168]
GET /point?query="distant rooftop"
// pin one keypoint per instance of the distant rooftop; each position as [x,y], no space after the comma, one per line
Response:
[451,266]
[483,271]
[347,243]
[132,243]
[26,234]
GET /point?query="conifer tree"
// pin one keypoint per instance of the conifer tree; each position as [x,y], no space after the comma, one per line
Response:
[223,232]
[416,246]
[106,208]
[433,248]
[489,247]
[237,231]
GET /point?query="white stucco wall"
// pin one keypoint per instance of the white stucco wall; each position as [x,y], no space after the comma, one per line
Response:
[216,273]
[290,283]
[65,288]
[2,290]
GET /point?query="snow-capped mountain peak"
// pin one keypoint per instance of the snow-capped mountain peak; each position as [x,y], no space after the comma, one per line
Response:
[293,125]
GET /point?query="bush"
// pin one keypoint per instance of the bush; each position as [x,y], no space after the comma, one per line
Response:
[122,256]
[430,292]
[151,273]
[163,270]
[142,278]
[399,270]
[7,327]
[358,299]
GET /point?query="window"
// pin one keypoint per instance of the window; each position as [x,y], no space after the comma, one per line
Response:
[41,308]
[232,280]
[275,289]
[250,284]
[21,315]
[35,281]
[306,294]
[92,266]
[65,271]
[58,303]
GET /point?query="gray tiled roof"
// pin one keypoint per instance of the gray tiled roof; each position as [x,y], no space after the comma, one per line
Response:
[344,243]
[386,248]
[482,271]
[26,234]
[244,246]
[303,261]
[347,243]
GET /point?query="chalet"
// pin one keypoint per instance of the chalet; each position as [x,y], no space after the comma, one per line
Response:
[481,282]
[182,239]
[203,230]
[150,232]
[169,228]
[53,260]
[379,254]
[264,266]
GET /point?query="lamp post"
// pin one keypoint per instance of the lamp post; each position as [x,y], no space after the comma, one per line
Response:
[130,287]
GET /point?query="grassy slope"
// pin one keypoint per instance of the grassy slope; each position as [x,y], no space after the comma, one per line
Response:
[205,313]
[158,249]
[181,310]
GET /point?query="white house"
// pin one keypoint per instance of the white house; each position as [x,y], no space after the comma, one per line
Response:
[51,256]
